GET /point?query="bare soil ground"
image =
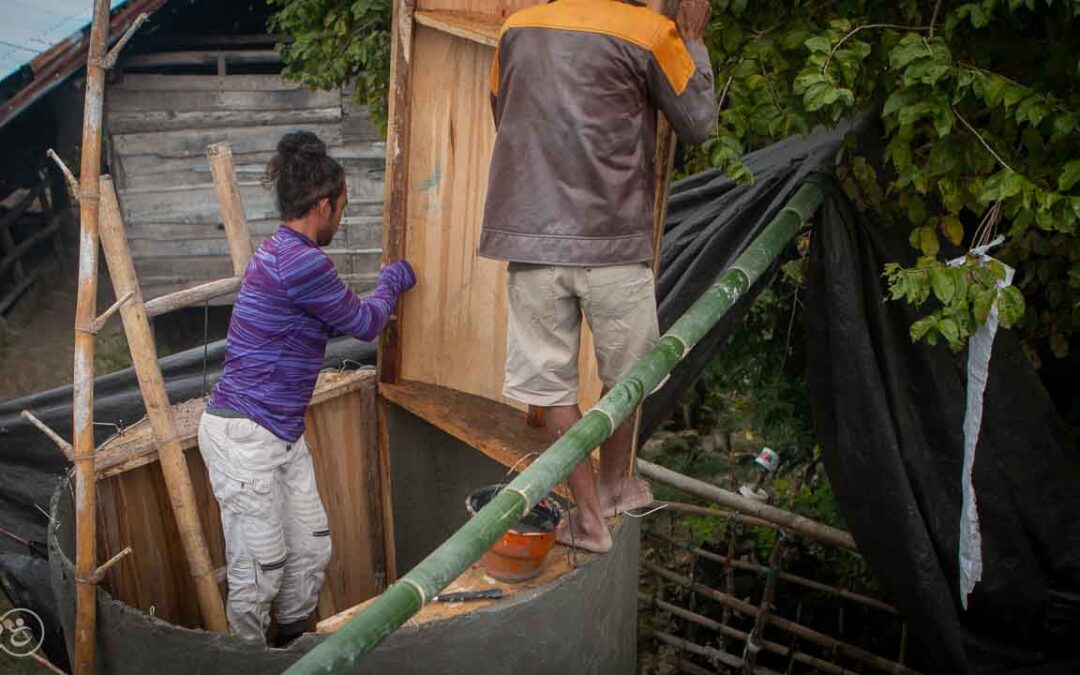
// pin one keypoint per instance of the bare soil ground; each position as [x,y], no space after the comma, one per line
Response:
[37,340]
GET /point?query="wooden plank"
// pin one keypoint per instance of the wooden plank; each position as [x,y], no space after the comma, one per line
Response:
[495,429]
[499,8]
[453,324]
[155,82]
[134,447]
[135,100]
[480,28]
[367,228]
[397,173]
[201,57]
[341,433]
[193,142]
[135,121]
[356,156]
[191,204]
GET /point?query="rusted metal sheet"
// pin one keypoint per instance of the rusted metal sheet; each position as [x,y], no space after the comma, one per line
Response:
[50,41]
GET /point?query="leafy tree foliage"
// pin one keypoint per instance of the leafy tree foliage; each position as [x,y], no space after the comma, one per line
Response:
[338,42]
[979,102]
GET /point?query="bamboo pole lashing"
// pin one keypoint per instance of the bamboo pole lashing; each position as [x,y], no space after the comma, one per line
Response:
[405,598]
[83,371]
[104,568]
[748,566]
[804,632]
[220,158]
[753,640]
[713,654]
[69,178]
[158,411]
[736,634]
[64,446]
[781,517]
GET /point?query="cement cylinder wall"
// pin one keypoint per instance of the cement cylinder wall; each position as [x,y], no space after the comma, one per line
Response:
[583,622]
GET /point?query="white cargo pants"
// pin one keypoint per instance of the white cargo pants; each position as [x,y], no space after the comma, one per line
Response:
[277,541]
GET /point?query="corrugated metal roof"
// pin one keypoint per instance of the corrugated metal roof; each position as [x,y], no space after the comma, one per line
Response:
[30,27]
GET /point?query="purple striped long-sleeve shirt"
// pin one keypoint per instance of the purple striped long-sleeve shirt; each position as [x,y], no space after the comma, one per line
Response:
[290,303]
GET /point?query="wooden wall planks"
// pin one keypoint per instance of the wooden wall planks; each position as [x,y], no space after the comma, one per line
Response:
[453,327]
[133,510]
[158,128]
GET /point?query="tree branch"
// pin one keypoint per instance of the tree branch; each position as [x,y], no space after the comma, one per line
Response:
[982,140]
[864,27]
[933,18]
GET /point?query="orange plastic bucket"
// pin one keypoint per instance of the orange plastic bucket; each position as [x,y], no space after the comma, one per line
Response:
[520,554]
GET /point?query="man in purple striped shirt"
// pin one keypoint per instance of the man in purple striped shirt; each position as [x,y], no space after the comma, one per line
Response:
[277,539]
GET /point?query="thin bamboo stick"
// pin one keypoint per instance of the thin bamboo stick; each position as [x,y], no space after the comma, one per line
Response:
[765,607]
[785,519]
[746,565]
[220,157]
[164,304]
[711,653]
[83,375]
[806,633]
[405,598]
[152,385]
[64,446]
[737,634]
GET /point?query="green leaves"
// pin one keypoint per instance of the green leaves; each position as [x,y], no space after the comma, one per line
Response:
[1010,306]
[980,129]
[925,240]
[1070,175]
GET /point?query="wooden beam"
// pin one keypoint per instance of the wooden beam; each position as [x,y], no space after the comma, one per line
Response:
[395,204]
[135,447]
[474,26]
[201,57]
[219,155]
[493,428]
[152,386]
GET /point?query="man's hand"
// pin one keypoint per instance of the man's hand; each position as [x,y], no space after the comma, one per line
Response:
[691,18]
[399,275]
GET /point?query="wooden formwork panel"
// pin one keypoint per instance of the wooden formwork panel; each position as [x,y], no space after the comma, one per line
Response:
[134,510]
[453,324]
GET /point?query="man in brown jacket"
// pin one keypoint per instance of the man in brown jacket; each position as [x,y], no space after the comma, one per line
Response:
[576,85]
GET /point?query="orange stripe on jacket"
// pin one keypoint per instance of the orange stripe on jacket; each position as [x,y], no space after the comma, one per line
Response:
[637,25]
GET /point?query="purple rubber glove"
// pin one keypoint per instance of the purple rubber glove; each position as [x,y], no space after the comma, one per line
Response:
[398,275]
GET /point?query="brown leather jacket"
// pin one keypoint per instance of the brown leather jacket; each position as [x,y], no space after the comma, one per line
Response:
[575,89]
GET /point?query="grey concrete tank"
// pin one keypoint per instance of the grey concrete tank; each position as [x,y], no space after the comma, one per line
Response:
[584,621]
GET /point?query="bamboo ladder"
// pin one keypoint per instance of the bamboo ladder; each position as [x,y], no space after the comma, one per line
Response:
[135,314]
[101,218]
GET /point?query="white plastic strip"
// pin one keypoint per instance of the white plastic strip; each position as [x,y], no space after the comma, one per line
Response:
[980,349]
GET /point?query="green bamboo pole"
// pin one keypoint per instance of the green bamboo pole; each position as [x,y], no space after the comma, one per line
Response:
[340,651]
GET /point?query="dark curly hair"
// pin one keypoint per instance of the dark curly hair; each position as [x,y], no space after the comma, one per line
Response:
[302,174]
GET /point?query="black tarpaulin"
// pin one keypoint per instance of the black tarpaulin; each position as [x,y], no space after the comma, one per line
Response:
[889,416]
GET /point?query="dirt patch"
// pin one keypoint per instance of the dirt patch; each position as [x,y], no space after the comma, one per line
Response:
[37,338]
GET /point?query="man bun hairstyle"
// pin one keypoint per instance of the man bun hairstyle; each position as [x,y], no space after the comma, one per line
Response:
[302,173]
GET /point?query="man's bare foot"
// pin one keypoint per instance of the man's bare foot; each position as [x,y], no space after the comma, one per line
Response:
[592,537]
[628,494]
